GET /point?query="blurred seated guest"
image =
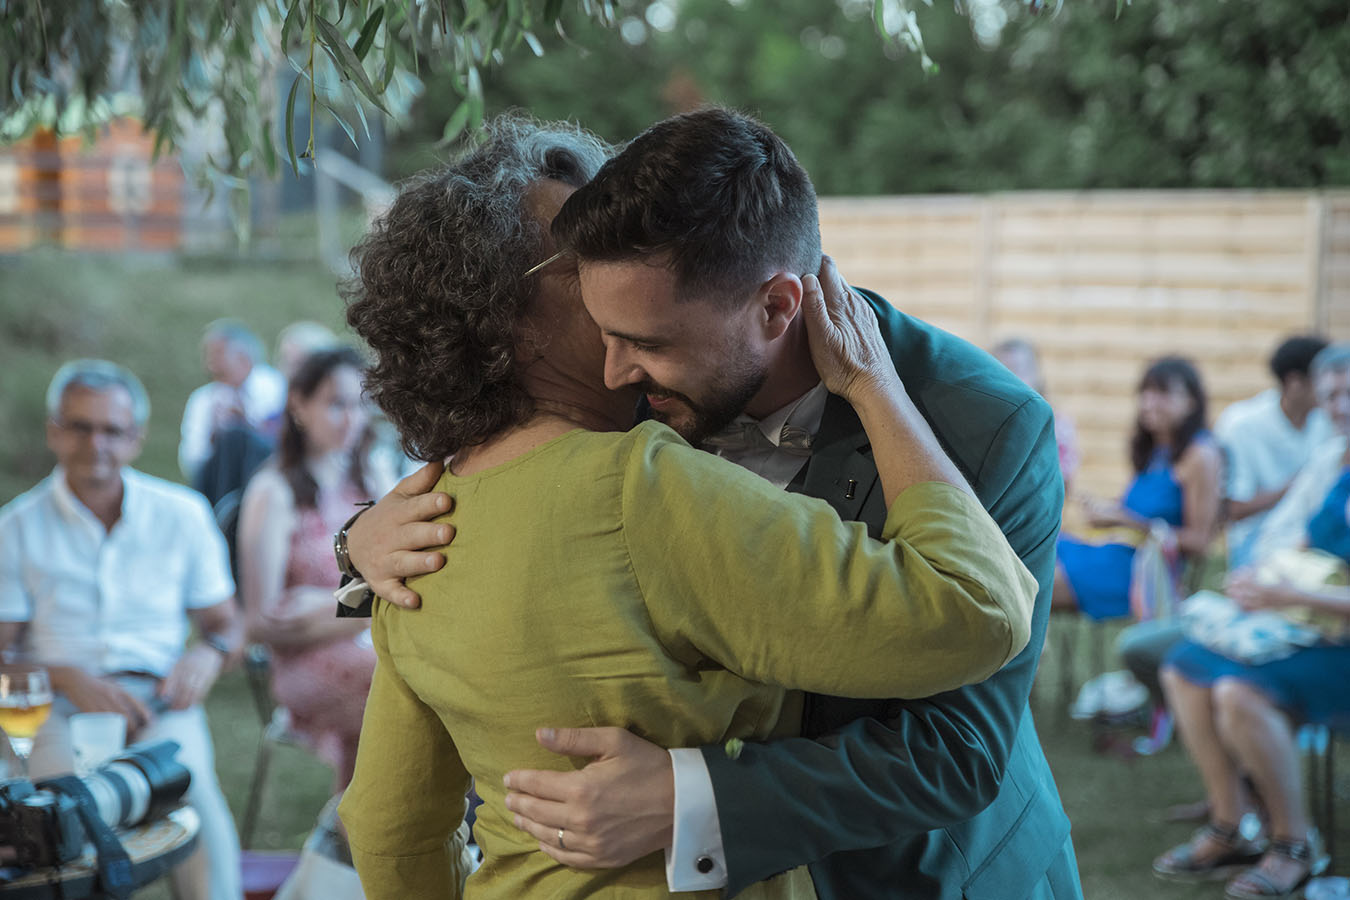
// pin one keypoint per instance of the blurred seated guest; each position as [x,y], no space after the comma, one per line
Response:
[1286,525]
[1238,698]
[321,665]
[244,394]
[1177,469]
[102,570]
[299,340]
[1143,646]
[1266,440]
[1021,358]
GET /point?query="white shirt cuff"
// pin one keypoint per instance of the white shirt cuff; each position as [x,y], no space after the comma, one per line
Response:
[352,593]
[695,860]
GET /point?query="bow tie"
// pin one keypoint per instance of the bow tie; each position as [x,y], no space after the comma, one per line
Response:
[741,436]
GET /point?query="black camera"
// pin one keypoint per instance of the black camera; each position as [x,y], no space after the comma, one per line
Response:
[41,825]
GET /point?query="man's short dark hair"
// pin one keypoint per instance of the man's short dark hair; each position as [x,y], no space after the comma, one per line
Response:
[1295,355]
[714,193]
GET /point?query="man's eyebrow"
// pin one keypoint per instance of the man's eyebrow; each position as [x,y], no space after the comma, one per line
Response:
[631,338]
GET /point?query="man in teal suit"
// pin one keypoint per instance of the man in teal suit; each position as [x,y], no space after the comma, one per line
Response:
[688,242]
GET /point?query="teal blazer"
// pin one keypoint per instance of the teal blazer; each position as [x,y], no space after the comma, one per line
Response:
[948,797]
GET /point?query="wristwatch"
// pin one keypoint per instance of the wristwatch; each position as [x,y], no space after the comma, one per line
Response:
[340,553]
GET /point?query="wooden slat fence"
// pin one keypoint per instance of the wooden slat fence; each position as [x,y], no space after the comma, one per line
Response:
[1103,282]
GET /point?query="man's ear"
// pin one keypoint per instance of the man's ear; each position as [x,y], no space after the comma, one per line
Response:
[135,452]
[779,300]
[53,432]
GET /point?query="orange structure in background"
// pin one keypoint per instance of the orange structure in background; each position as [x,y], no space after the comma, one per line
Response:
[105,196]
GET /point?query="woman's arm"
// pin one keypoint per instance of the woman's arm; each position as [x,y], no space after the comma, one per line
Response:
[305,618]
[775,587]
[1330,599]
[266,521]
[293,618]
[1198,473]
[1251,594]
[1237,510]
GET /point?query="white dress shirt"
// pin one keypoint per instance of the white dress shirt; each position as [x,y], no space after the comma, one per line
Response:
[262,397]
[1265,451]
[696,859]
[110,601]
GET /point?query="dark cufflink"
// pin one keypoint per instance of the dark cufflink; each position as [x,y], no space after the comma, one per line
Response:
[704,864]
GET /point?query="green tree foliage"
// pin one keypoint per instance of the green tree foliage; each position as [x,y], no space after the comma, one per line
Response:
[1169,93]
[182,64]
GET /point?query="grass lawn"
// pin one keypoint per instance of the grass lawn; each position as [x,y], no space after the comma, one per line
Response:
[149,315]
[1115,804]
[146,314]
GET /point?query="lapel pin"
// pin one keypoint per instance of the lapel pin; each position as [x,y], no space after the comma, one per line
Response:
[851,489]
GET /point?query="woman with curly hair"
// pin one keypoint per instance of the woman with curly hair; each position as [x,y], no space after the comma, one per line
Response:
[603,576]
[321,666]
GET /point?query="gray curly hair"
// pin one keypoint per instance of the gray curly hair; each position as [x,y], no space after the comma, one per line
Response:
[442,283]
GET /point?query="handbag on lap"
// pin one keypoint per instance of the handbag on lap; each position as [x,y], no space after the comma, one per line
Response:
[1256,637]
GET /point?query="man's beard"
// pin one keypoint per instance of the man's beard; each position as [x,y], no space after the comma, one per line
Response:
[727,399]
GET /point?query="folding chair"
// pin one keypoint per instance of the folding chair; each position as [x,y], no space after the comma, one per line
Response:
[1318,746]
[276,722]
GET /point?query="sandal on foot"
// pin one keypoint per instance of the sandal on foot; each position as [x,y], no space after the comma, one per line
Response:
[1255,884]
[1186,863]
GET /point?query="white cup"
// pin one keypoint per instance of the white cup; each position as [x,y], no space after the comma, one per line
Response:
[96,738]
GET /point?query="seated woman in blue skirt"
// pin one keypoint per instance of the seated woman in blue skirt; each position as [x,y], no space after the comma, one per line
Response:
[1237,717]
[1177,468]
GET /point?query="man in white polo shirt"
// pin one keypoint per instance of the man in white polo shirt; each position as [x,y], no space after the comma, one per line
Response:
[244,392]
[1267,439]
[102,570]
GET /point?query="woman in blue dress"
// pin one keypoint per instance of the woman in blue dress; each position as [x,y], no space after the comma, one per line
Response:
[1236,717]
[1177,468]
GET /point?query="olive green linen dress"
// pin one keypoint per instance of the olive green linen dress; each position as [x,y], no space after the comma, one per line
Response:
[627,579]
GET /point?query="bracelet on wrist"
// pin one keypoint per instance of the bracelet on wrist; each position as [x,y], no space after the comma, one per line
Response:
[217,643]
[340,552]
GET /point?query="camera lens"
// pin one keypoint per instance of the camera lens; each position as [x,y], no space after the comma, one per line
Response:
[143,783]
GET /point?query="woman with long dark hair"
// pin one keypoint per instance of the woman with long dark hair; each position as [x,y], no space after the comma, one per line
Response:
[321,665]
[1177,469]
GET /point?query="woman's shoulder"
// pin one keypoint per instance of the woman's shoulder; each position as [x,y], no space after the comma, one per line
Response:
[580,459]
[269,486]
[653,443]
[656,458]
[643,439]
[1203,453]
[652,433]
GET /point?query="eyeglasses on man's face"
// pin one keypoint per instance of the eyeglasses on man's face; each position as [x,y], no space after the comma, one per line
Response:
[545,264]
[86,430]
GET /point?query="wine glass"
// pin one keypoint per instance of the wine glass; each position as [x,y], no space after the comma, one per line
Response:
[25,703]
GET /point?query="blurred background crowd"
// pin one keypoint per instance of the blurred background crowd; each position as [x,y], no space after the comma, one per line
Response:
[1140,211]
